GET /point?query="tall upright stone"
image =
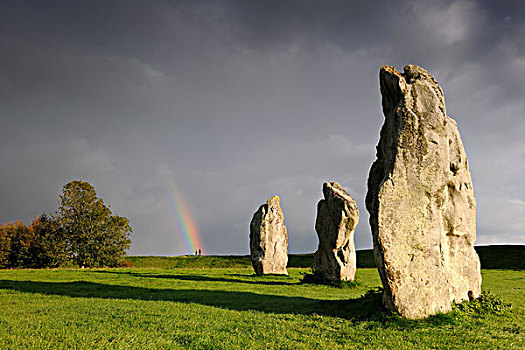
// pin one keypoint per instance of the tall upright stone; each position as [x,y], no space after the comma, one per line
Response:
[268,239]
[421,200]
[337,217]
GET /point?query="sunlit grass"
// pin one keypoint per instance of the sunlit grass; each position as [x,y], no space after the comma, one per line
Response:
[232,309]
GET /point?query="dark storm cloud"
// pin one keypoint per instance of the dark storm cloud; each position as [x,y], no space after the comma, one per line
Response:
[235,101]
[269,24]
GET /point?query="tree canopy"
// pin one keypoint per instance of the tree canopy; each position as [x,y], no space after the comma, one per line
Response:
[82,232]
[97,238]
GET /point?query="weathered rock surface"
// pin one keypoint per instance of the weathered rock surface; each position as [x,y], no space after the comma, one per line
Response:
[421,200]
[268,239]
[337,217]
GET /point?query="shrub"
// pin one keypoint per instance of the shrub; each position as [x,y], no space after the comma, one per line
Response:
[486,304]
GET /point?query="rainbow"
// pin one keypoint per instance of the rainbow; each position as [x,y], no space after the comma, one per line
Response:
[184,222]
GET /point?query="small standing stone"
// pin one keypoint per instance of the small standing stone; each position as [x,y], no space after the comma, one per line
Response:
[337,217]
[268,239]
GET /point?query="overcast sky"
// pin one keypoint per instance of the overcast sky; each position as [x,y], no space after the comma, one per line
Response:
[236,101]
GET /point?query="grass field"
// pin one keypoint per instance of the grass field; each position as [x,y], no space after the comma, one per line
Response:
[229,308]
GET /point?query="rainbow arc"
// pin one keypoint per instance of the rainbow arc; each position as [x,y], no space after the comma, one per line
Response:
[184,222]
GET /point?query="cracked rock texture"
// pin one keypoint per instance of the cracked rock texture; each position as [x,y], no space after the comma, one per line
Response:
[421,200]
[337,217]
[268,239]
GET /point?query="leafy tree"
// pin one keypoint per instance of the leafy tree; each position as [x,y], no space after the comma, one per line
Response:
[95,236]
[5,245]
[49,248]
[21,239]
[83,231]
[40,244]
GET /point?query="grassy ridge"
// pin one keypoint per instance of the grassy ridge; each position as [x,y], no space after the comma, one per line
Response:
[190,261]
[492,257]
[502,257]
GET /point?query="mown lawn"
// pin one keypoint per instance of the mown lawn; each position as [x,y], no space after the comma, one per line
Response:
[232,309]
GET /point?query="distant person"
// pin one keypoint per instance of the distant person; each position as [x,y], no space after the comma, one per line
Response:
[200,252]
[196,253]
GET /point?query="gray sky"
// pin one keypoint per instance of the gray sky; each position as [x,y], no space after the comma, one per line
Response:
[236,101]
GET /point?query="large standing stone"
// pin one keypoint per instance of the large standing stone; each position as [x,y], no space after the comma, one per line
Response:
[268,239]
[421,200]
[337,217]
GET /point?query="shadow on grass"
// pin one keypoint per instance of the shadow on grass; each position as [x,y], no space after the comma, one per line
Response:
[368,308]
[200,278]
[361,308]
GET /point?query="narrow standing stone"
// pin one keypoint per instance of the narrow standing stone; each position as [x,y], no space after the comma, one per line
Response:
[337,217]
[268,239]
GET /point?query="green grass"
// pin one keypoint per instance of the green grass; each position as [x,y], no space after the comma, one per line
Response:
[230,308]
